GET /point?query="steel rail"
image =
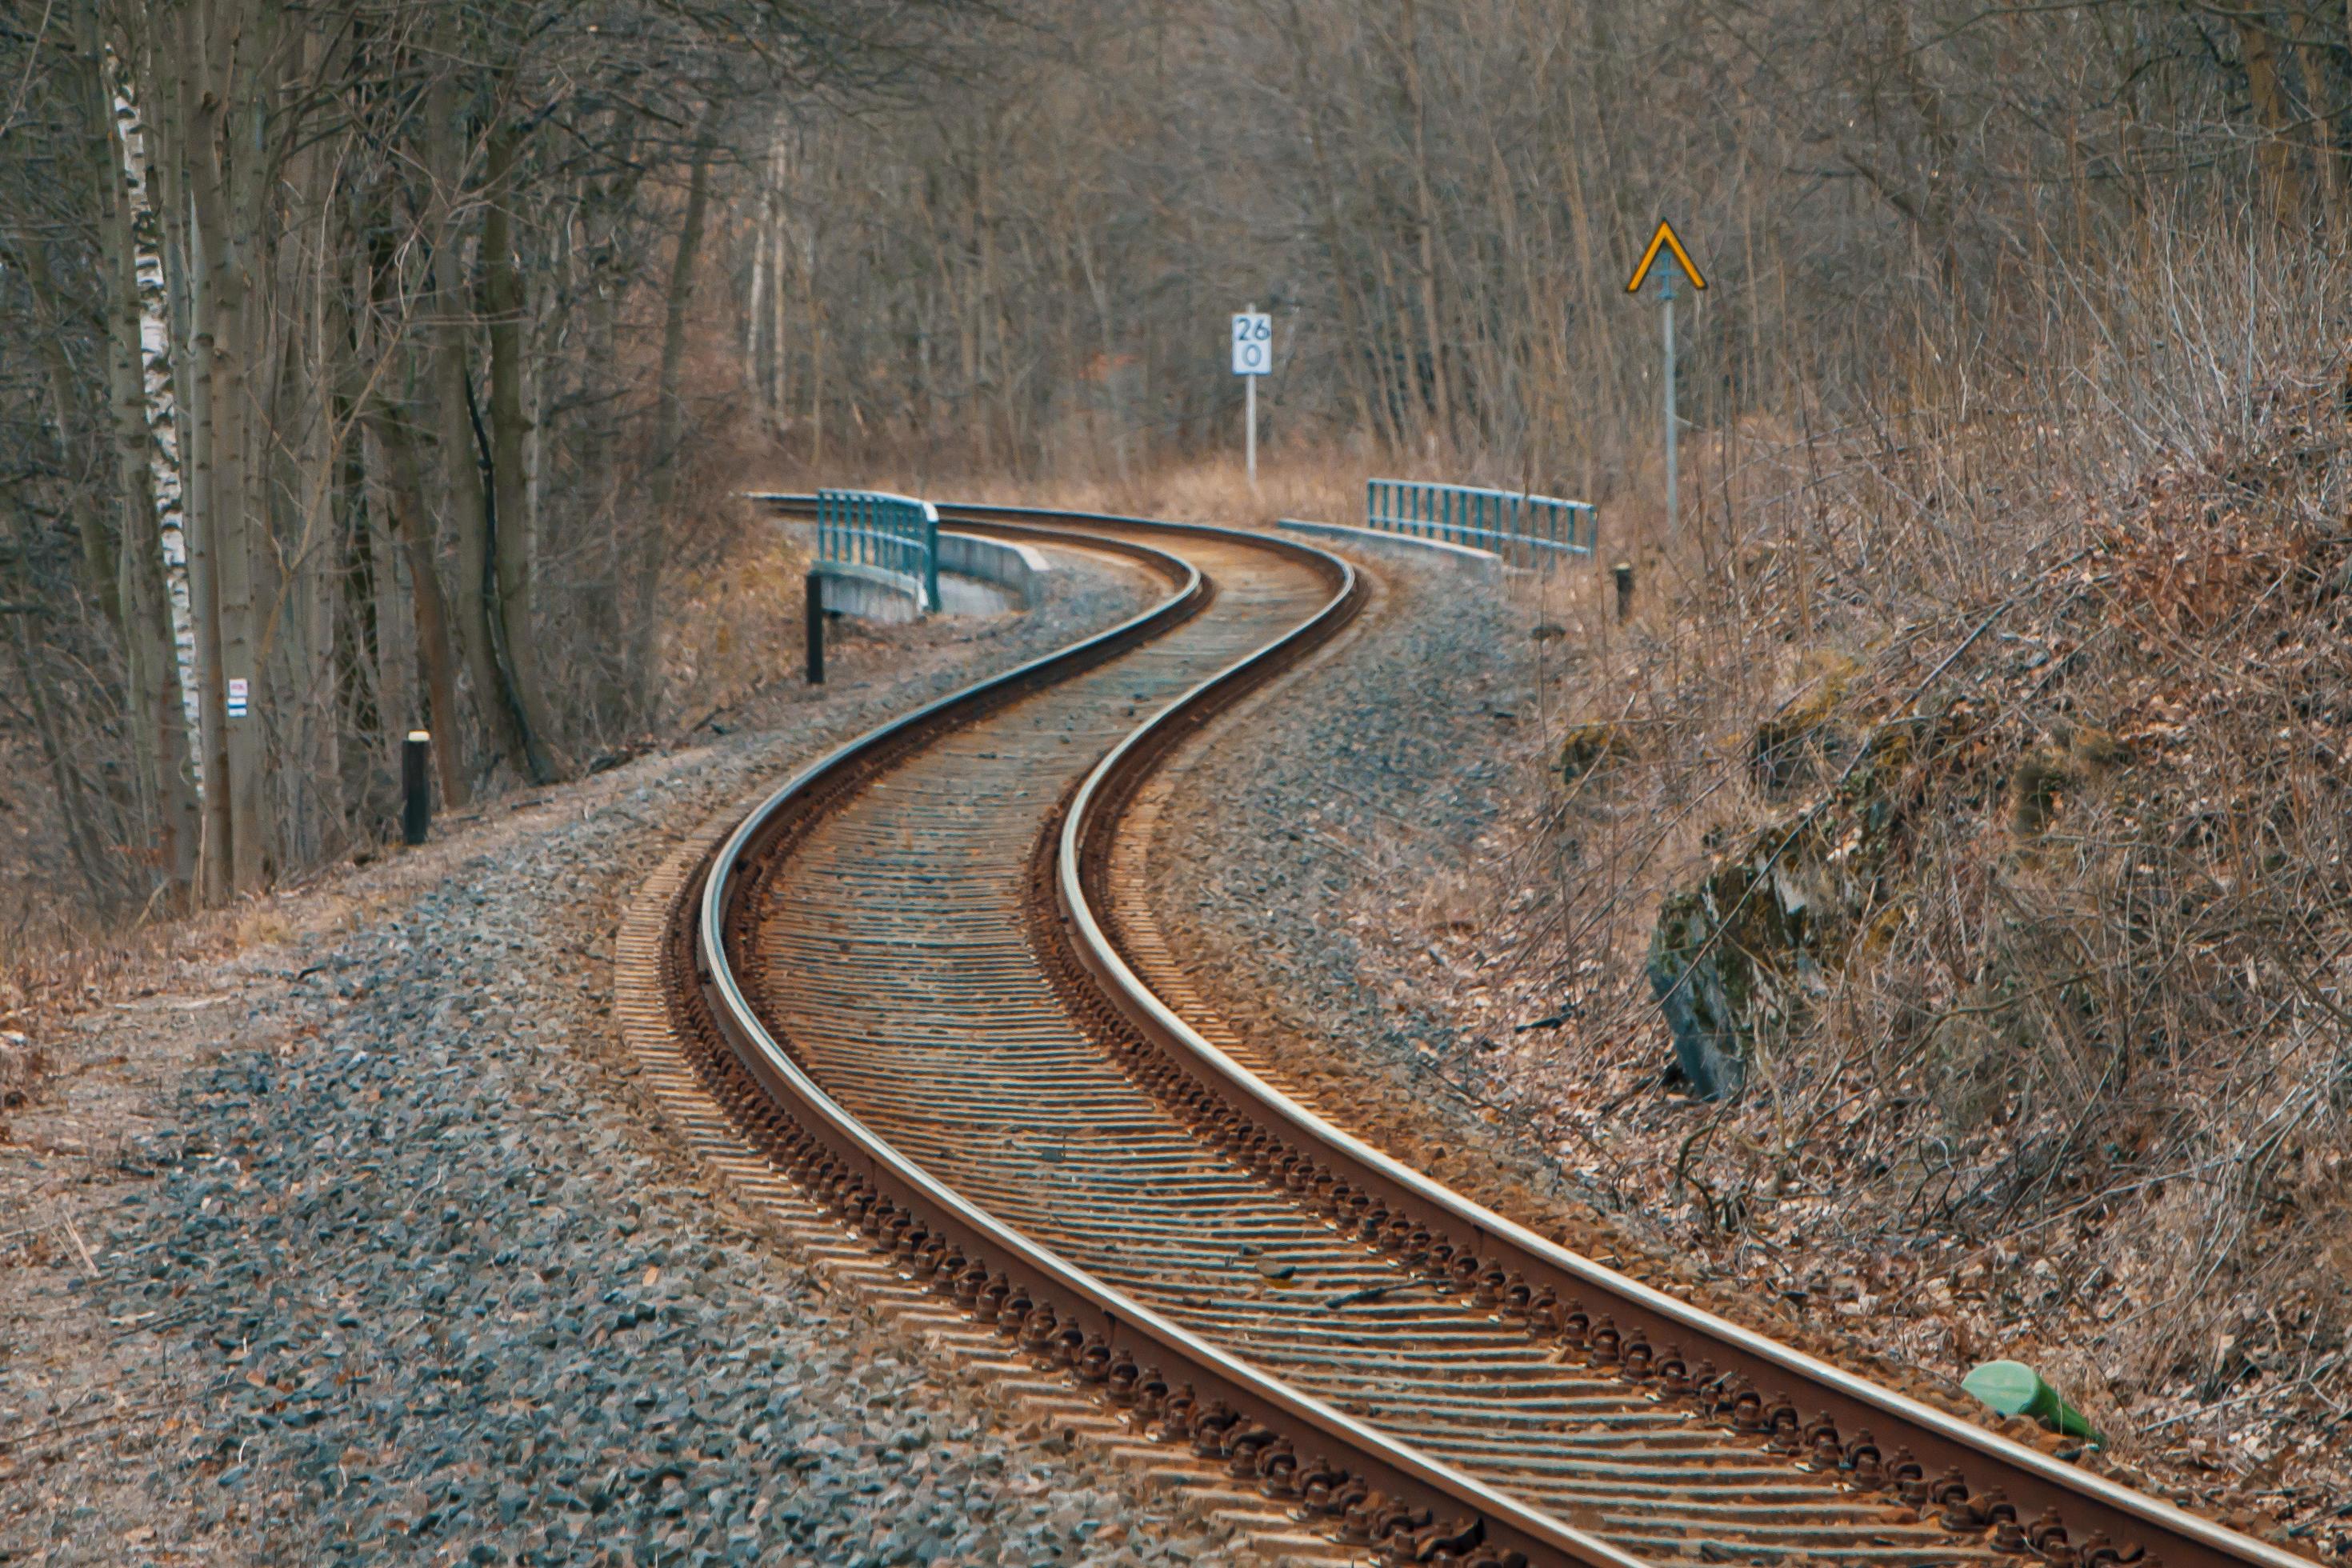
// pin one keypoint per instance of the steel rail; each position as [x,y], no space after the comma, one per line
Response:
[2031,1479]
[2086,1503]
[1121,1321]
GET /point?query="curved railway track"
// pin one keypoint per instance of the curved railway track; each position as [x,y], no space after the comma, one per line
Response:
[907,972]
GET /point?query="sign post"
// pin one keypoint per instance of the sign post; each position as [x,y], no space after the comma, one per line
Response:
[812,613]
[415,788]
[1253,357]
[1665,239]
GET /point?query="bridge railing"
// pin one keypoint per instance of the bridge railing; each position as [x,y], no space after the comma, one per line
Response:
[1525,529]
[891,532]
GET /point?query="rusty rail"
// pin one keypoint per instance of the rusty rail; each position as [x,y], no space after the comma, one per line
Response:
[1993,1498]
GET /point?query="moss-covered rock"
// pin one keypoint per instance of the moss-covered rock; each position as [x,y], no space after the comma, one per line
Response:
[1745,948]
[1709,992]
[1788,745]
[1590,746]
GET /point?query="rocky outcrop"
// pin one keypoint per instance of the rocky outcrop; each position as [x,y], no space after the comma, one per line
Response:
[1738,956]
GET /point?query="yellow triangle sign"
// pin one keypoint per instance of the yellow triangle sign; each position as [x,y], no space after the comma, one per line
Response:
[1665,239]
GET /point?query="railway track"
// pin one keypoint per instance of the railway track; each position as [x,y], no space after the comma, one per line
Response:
[908,972]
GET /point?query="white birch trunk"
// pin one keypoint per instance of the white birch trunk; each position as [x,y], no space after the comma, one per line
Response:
[163,402]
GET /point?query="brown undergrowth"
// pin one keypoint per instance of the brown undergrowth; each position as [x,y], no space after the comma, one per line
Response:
[2024,812]
[48,974]
[726,601]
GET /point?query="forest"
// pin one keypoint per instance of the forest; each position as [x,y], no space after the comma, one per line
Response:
[391,366]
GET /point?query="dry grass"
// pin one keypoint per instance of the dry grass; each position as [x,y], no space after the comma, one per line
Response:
[49,972]
[2073,1080]
[1319,483]
[732,624]
[22,1065]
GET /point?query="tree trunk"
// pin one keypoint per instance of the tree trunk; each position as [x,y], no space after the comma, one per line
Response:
[161,195]
[2274,155]
[669,414]
[391,451]
[1425,220]
[755,310]
[2318,98]
[600,462]
[320,370]
[509,516]
[816,361]
[405,498]
[234,190]
[156,715]
[304,340]
[780,237]
[212,515]
[461,464]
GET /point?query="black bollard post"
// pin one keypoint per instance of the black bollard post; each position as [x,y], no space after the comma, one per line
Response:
[1624,573]
[416,787]
[816,613]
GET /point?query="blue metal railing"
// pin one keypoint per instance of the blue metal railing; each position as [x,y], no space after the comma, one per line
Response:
[873,527]
[1525,529]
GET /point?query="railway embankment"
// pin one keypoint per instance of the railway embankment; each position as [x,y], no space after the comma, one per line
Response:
[2014,896]
[355,1245]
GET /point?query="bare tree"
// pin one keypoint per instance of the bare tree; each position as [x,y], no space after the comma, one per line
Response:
[356,305]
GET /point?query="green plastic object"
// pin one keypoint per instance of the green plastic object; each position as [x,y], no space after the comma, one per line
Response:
[2014,1388]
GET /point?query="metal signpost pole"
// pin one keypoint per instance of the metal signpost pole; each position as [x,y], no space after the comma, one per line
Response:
[1666,297]
[1249,415]
[1666,246]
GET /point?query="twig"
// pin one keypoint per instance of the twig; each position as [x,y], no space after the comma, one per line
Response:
[2304,1382]
[81,1247]
[62,1428]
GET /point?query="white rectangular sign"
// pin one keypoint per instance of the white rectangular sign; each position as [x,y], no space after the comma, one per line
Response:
[1252,343]
[237,690]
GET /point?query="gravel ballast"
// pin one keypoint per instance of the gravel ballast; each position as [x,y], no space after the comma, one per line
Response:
[394,1270]
[1319,825]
